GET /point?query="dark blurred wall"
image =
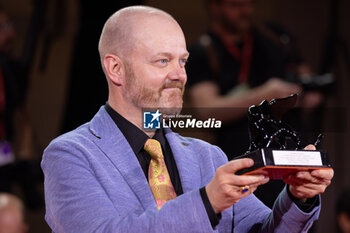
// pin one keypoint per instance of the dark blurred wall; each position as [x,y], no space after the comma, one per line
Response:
[87,87]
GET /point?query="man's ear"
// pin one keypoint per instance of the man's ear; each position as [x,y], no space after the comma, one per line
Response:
[114,68]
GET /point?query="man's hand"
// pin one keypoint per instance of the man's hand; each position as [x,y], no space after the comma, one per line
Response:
[307,184]
[276,88]
[225,188]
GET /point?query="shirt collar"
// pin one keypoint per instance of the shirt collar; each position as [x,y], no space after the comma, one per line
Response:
[135,136]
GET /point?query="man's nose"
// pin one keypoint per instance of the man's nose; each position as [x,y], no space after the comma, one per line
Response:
[178,72]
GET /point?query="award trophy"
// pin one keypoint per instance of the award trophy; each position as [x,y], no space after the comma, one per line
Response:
[274,146]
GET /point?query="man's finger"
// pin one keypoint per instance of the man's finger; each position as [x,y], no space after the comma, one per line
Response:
[308,190]
[239,180]
[315,176]
[306,176]
[236,165]
[310,147]
[251,189]
[296,181]
[326,174]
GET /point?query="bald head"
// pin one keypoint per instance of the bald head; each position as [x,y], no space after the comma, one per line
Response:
[8,200]
[120,31]
[11,214]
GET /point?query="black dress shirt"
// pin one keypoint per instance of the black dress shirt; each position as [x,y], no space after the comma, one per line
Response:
[137,139]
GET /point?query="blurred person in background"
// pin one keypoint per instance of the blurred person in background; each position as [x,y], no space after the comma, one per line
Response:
[18,163]
[12,214]
[343,211]
[237,64]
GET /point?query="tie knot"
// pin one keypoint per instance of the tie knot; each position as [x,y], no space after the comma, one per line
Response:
[154,148]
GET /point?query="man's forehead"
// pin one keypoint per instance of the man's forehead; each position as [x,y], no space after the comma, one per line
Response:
[159,45]
[150,24]
[148,31]
[161,37]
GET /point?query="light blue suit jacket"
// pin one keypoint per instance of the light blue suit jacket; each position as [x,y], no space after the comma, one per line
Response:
[94,183]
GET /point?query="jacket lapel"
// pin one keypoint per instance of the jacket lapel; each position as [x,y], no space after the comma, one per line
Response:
[112,142]
[186,161]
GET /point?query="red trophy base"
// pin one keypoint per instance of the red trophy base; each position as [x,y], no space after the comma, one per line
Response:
[281,163]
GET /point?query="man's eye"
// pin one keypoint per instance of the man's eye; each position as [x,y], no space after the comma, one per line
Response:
[163,61]
[183,61]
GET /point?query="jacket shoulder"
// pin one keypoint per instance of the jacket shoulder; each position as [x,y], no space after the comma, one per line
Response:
[204,150]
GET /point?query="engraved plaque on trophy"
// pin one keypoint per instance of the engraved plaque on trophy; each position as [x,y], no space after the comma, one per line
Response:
[274,146]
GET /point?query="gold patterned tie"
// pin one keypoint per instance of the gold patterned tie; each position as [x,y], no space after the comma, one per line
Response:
[158,176]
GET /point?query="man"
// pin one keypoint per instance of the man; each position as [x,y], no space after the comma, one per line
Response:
[237,64]
[111,175]
[11,214]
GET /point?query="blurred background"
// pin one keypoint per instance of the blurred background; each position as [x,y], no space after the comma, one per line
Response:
[51,50]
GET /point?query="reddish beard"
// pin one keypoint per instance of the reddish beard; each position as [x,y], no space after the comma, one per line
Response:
[145,97]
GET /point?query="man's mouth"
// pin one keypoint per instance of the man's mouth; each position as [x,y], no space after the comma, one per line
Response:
[173,86]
